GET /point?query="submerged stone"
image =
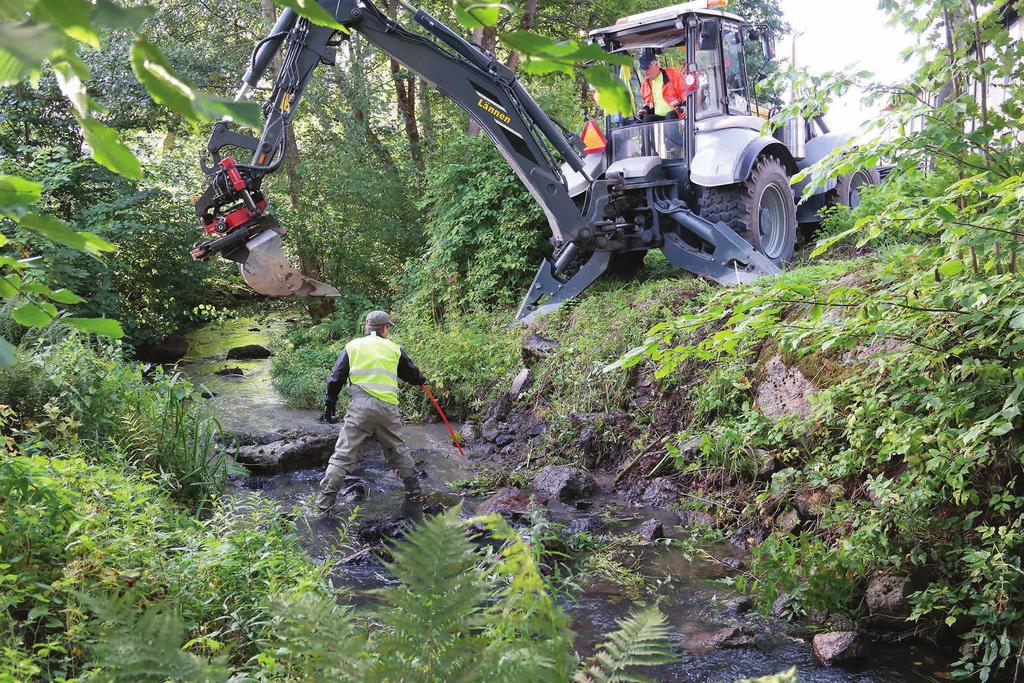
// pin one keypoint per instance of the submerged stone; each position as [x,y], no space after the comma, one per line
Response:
[249,352]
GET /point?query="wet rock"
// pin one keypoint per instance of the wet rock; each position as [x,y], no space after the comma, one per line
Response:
[586,441]
[730,636]
[537,429]
[229,372]
[489,430]
[564,482]
[787,521]
[738,605]
[503,440]
[520,383]
[783,391]
[769,466]
[363,556]
[536,347]
[249,352]
[588,525]
[469,432]
[887,597]
[837,646]
[378,530]
[810,503]
[583,504]
[254,329]
[780,606]
[208,394]
[694,518]
[169,350]
[288,454]
[661,492]
[509,502]
[500,410]
[651,530]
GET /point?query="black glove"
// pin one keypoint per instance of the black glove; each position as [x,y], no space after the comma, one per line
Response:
[328,416]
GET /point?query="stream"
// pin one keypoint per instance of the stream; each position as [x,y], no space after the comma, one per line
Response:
[689,591]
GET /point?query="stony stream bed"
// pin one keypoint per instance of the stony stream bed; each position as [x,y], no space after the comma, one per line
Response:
[719,637]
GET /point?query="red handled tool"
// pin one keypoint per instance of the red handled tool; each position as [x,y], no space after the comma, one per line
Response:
[443,417]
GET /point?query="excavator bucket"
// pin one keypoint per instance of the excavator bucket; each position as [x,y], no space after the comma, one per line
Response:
[265,267]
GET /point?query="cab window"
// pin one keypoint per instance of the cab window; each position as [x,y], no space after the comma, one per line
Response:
[709,69]
[735,79]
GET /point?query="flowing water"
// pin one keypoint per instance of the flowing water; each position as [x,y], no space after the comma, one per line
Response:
[688,589]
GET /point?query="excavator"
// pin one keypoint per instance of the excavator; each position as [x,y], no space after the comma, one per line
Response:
[707,188]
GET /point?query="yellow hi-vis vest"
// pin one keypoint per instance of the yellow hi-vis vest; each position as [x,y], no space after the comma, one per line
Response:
[373,366]
[661,107]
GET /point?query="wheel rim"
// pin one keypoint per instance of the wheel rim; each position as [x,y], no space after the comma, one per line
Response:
[772,221]
[859,178]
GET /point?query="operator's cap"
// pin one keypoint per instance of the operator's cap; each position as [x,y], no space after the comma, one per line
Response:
[378,319]
[647,57]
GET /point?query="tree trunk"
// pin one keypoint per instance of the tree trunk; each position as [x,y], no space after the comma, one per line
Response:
[486,38]
[405,94]
[525,24]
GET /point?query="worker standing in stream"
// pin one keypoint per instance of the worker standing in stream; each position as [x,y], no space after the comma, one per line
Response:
[662,90]
[373,364]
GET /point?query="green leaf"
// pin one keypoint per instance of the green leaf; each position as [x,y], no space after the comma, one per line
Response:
[34,314]
[165,86]
[61,296]
[312,10]
[111,15]
[6,352]
[7,289]
[17,191]
[109,151]
[612,94]
[53,229]
[14,9]
[73,88]
[74,17]
[215,108]
[951,268]
[944,214]
[477,13]
[105,327]
[23,47]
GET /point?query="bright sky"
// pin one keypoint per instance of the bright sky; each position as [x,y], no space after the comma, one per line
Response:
[837,33]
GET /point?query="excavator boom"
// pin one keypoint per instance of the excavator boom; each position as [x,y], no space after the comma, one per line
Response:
[235,213]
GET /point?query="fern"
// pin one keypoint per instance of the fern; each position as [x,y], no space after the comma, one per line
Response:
[314,639]
[434,619]
[147,647]
[640,641]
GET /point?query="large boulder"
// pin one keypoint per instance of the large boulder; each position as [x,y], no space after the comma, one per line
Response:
[294,452]
[783,391]
[169,350]
[536,347]
[564,482]
[837,646]
[249,352]
[509,502]
[887,597]
[587,525]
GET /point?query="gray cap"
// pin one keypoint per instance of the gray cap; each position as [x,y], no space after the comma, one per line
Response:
[378,319]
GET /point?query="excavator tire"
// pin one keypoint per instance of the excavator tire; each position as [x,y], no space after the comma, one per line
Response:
[847,189]
[761,209]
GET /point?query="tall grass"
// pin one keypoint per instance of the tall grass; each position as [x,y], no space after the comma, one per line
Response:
[118,409]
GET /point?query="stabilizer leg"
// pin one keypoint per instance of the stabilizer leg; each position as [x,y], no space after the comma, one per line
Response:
[546,283]
[733,260]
